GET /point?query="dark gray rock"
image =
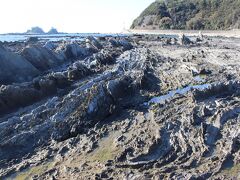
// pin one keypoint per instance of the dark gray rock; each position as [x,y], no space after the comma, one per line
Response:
[77,71]
[73,51]
[114,42]
[50,45]
[223,88]
[120,42]
[118,87]
[47,86]
[103,57]
[61,79]
[41,58]
[184,40]
[125,44]
[15,68]
[17,96]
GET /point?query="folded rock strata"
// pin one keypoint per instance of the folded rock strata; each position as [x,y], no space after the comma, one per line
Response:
[137,107]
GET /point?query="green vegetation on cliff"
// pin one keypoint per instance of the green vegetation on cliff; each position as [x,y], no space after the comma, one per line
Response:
[190,14]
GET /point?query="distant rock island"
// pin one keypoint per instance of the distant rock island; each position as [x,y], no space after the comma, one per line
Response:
[38,30]
[52,31]
[190,15]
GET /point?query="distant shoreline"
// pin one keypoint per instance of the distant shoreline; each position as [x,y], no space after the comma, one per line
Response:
[30,34]
[230,33]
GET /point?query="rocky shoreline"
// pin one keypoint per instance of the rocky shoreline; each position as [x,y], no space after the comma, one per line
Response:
[129,107]
[234,33]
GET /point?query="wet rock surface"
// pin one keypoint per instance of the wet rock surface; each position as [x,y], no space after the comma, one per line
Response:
[138,107]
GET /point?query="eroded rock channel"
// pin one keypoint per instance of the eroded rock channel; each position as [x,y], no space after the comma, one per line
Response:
[133,107]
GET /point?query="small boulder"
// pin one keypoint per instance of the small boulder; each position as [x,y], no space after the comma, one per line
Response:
[184,40]
[200,37]
[173,41]
[205,72]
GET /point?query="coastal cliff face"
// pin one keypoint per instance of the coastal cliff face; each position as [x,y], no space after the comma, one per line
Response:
[190,14]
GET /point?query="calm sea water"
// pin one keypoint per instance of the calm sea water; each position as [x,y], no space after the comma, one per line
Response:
[52,37]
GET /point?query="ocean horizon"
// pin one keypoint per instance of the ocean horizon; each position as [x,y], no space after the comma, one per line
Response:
[53,37]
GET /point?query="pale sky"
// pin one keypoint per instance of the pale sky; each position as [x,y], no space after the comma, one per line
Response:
[70,15]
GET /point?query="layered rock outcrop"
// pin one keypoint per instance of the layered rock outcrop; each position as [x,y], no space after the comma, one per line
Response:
[151,107]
